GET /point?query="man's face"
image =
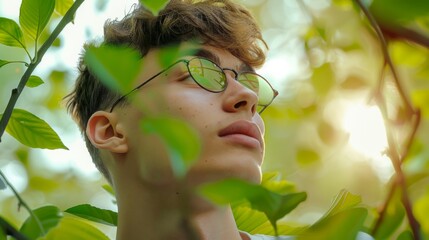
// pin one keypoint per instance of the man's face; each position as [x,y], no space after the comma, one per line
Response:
[230,130]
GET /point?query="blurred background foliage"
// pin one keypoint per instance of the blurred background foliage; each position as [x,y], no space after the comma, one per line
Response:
[324,133]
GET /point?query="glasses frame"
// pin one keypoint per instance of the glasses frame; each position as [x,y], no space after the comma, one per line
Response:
[275,92]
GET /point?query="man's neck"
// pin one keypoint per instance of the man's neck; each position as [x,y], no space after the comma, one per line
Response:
[166,213]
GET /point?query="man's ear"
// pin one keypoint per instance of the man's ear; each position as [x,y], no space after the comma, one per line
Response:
[104,132]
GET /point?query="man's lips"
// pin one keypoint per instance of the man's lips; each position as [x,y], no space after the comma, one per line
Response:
[242,127]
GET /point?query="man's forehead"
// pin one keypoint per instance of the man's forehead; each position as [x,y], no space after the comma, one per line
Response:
[193,49]
[206,53]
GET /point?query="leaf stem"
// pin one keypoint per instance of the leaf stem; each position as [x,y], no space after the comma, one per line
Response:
[28,54]
[23,62]
[21,202]
[396,157]
[68,17]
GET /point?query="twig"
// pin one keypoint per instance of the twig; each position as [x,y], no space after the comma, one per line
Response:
[21,202]
[406,34]
[68,17]
[396,157]
[11,231]
[383,208]
[386,54]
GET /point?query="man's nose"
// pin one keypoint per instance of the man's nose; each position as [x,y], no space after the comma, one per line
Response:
[237,96]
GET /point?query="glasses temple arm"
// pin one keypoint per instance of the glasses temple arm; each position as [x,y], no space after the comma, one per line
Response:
[144,83]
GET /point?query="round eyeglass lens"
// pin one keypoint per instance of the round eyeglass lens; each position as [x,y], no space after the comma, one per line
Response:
[207,74]
[259,85]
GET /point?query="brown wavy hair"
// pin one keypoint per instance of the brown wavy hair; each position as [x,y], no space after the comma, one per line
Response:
[219,23]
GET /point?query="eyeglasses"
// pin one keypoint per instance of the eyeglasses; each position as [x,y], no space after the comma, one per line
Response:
[209,76]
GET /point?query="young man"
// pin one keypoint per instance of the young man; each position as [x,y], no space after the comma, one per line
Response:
[215,90]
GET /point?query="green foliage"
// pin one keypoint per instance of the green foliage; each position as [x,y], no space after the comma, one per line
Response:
[154,6]
[3,235]
[272,204]
[11,34]
[344,200]
[406,235]
[34,16]
[71,229]
[181,140]
[306,156]
[266,204]
[94,214]
[49,217]
[343,225]
[343,220]
[254,221]
[34,81]
[117,67]
[169,54]
[323,79]
[3,62]
[32,131]
[397,11]
[62,6]
[273,182]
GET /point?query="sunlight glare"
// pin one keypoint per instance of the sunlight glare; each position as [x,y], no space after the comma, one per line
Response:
[367,136]
[366,129]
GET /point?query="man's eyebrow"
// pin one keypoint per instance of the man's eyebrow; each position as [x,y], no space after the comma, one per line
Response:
[207,54]
[243,67]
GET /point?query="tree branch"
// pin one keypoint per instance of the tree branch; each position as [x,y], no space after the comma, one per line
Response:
[395,156]
[16,92]
[408,34]
[11,231]
[21,202]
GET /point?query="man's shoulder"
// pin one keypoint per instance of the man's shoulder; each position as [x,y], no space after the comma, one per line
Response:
[360,236]
[266,237]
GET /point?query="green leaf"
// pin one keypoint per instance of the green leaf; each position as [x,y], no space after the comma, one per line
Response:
[62,6]
[342,201]
[95,214]
[32,131]
[181,140]
[307,156]
[323,79]
[399,11]
[3,62]
[273,205]
[49,216]
[116,67]
[343,225]
[392,220]
[154,6]
[421,208]
[169,54]
[71,228]
[109,189]
[10,33]
[406,235]
[2,234]
[34,15]
[34,81]
[255,222]
[271,181]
